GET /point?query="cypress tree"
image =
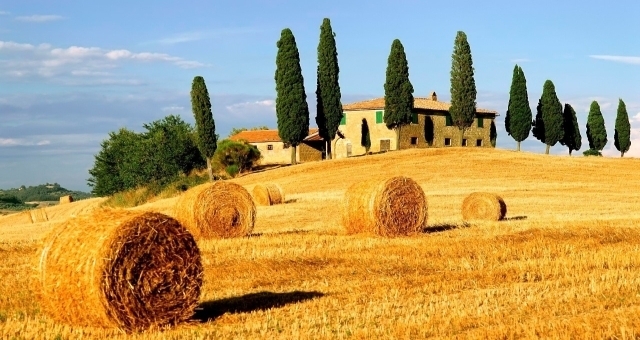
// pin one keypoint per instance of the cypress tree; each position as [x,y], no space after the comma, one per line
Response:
[596,132]
[537,125]
[329,105]
[572,138]
[622,136]
[398,91]
[551,112]
[292,110]
[205,125]
[463,85]
[365,135]
[518,120]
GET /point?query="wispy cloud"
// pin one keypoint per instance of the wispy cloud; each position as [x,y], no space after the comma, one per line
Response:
[520,60]
[248,107]
[618,59]
[4,13]
[186,37]
[6,142]
[173,109]
[39,18]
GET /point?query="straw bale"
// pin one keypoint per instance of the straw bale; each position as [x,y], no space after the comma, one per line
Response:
[121,269]
[483,206]
[217,210]
[66,199]
[38,215]
[268,194]
[391,207]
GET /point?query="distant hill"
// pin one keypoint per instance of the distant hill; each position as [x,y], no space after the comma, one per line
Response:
[15,198]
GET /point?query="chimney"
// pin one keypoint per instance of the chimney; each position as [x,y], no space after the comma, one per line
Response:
[433,96]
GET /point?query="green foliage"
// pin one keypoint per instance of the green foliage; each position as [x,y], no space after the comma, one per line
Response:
[398,91]
[572,138]
[493,134]
[365,135]
[518,118]
[240,154]
[592,152]
[596,132]
[232,170]
[329,105]
[292,110]
[463,85]
[622,135]
[235,131]
[548,125]
[128,159]
[537,125]
[146,193]
[42,192]
[205,125]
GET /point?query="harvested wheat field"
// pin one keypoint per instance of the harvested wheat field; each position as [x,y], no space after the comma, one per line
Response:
[564,263]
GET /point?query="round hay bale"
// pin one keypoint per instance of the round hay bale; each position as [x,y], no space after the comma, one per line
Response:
[217,210]
[483,206]
[66,199]
[121,269]
[392,207]
[268,194]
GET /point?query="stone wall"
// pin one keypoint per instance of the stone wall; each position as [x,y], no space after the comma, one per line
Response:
[352,132]
[432,131]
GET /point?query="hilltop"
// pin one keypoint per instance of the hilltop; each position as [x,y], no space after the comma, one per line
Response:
[23,197]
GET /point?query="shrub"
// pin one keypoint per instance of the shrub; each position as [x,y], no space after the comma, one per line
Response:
[592,152]
[240,154]
[232,170]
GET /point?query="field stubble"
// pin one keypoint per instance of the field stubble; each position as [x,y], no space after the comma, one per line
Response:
[564,264]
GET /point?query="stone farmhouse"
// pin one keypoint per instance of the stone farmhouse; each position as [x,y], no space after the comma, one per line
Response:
[275,151]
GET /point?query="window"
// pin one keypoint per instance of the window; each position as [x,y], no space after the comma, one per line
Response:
[385,145]
[480,122]
[447,142]
[479,142]
[414,140]
[449,120]
[379,117]
[343,121]
[464,142]
[269,147]
[414,118]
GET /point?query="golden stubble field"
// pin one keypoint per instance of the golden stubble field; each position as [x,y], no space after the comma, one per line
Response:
[565,263]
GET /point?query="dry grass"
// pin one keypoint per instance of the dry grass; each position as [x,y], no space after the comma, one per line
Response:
[564,264]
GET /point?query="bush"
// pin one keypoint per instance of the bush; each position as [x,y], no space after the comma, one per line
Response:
[232,170]
[592,152]
[242,155]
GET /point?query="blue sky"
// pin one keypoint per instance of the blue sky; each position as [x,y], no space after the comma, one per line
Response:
[72,71]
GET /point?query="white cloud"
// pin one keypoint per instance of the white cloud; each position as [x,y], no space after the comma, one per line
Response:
[5,142]
[181,38]
[39,18]
[4,13]
[173,108]
[618,59]
[185,37]
[248,107]
[520,60]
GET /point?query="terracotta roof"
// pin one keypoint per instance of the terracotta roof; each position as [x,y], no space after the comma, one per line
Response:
[262,136]
[314,137]
[418,103]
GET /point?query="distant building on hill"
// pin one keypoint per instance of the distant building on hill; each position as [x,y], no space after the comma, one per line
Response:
[275,151]
[431,127]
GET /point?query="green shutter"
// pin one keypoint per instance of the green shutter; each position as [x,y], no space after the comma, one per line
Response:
[378,117]
[449,120]
[480,122]
[343,121]
[414,118]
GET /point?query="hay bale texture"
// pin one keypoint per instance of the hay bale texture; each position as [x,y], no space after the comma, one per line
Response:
[119,269]
[268,194]
[217,210]
[392,207]
[483,206]
[66,199]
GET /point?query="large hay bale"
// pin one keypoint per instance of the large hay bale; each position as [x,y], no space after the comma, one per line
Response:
[126,269]
[268,194]
[38,215]
[483,206]
[217,210]
[66,199]
[391,207]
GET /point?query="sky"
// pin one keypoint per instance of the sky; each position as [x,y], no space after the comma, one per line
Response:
[73,71]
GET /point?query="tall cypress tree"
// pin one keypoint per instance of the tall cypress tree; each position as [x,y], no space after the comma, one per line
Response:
[596,132]
[551,110]
[292,109]
[205,125]
[518,120]
[572,138]
[329,107]
[537,125]
[463,85]
[398,91]
[365,135]
[622,136]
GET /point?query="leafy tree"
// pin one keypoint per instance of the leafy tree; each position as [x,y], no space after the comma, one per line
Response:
[236,156]
[398,91]
[235,131]
[518,118]
[572,138]
[596,132]
[463,85]
[592,152]
[292,109]
[329,105]
[622,136]
[365,135]
[548,124]
[205,125]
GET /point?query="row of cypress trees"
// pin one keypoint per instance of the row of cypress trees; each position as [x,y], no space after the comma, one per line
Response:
[553,123]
